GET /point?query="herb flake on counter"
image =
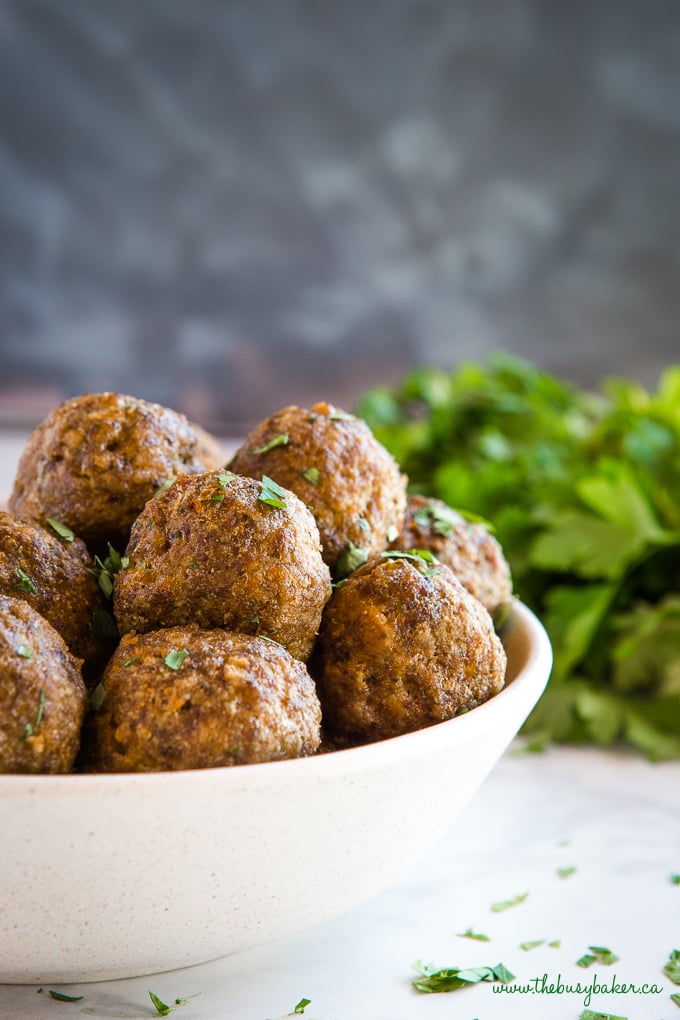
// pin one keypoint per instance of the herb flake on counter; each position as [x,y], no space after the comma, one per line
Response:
[528,946]
[507,904]
[175,658]
[25,583]
[24,651]
[674,879]
[597,954]
[675,996]
[589,1014]
[61,529]
[300,1007]
[450,979]
[272,494]
[281,440]
[162,1008]
[672,968]
[312,475]
[470,934]
[63,997]
[566,872]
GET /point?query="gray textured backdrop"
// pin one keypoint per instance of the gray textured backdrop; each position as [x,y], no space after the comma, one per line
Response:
[228,206]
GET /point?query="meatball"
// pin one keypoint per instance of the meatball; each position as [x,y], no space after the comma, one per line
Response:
[222,550]
[42,694]
[56,577]
[334,463]
[404,645]
[473,554]
[96,459]
[187,698]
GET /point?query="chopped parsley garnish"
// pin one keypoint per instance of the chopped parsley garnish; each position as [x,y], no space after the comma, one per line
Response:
[597,954]
[674,879]
[61,529]
[62,997]
[589,1014]
[363,524]
[129,662]
[450,979]
[340,416]
[271,640]
[417,556]
[162,1008]
[506,904]
[470,934]
[555,944]
[300,1007]
[566,872]
[352,558]
[528,946]
[103,625]
[312,475]
[675,996]
[30,728]
[224,479]
[392,533]
[98,696]
[175,658]
[163,486]
[672,968]
[25,583]
[281,440]
[272,494]
[106,568]
[24,651]
[441,520]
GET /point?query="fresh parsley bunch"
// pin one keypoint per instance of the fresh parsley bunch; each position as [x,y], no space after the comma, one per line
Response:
[583,490]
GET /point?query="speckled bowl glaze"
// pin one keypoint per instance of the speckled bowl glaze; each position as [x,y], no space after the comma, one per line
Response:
[107,876]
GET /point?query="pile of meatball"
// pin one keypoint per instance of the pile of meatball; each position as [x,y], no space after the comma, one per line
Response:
[161,610]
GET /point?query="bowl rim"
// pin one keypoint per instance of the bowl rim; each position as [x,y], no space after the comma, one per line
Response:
[526,686]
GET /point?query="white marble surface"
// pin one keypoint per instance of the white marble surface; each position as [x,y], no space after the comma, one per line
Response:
[613,817]
[621,818]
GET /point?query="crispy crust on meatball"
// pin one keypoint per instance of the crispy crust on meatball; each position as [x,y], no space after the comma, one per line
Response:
[473,554]
[224,699]
[42,695]
[56,578]
[210,550]
[96,459]
[403,646]
[334,463]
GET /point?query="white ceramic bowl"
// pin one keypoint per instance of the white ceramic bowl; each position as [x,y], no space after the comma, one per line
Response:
[106,876]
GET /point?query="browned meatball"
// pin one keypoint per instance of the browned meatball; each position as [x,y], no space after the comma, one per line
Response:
[404,645]
[334,463]
[216,550]
[56,577]
[42,695]
[96,459]
[473,554]
[186,698]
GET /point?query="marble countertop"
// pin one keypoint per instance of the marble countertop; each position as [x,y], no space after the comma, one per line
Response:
[612,817]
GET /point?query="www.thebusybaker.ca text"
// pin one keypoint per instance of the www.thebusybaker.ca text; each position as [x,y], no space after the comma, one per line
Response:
[545,986]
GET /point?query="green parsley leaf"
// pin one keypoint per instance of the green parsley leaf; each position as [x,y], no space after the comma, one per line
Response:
[61,529]
[673,879]
[24,651]
[470,934]
[162,1008]
[300,1007]
[528,946]
[164,486]
[312,475]
[98,697]
[586,960]
[417,556]
[566,872]
[597,954]
[25,583]
[107,567]
[175,658]
[340,416]
[450,979]
[589,1014]
[439,518]
[62,997]
[272,494]
[351,559]
[506,904]
[30,728]
[103,625]
[281,440]
[672,968]
[555,944]
[675,996]
[129,662]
